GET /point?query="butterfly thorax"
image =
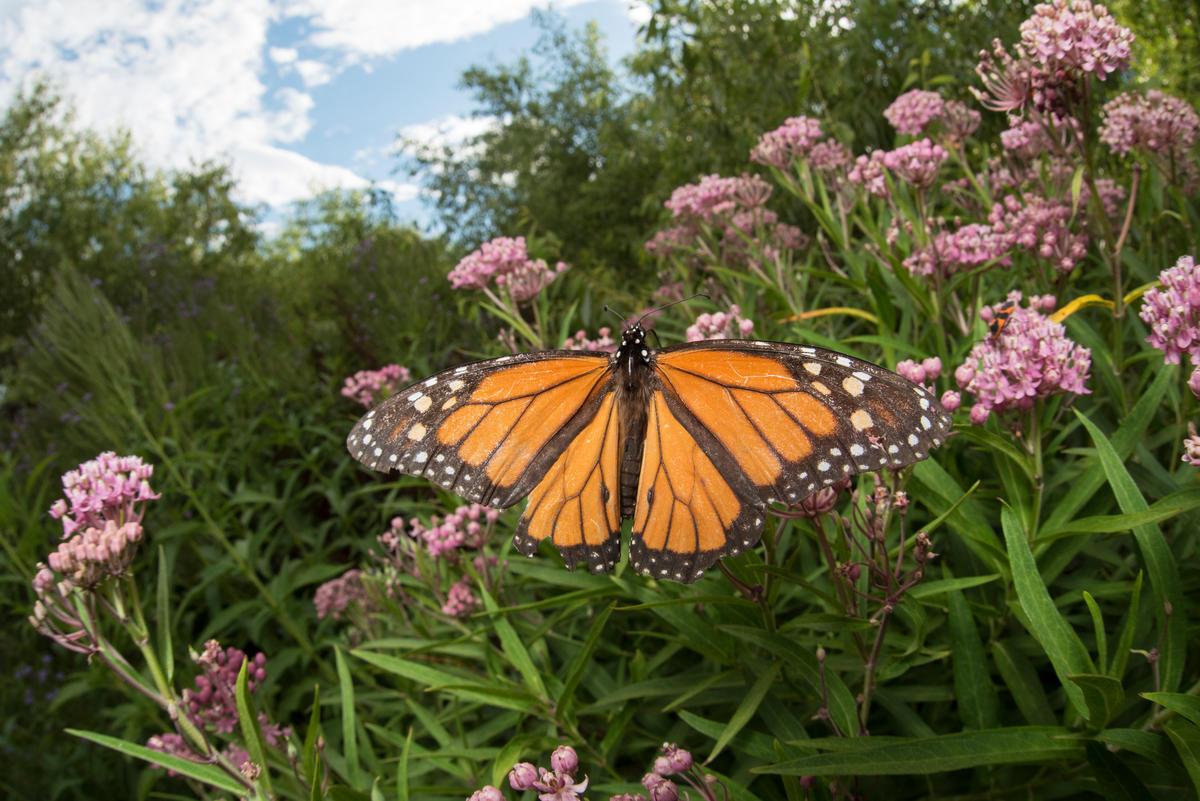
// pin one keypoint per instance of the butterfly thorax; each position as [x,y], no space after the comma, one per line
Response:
[632,365]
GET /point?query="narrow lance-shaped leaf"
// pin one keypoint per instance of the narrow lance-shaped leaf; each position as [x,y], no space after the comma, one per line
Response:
[973,688]
[1156,555]
[1060,642]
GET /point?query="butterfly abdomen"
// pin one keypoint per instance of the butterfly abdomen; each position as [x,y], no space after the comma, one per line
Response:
[633,399]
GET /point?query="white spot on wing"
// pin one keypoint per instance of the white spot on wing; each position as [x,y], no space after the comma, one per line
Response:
[457,384]
[852,385]
[417,432]
[423,403]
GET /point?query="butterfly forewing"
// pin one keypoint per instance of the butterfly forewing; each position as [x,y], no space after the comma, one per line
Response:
[794,419]
[487,431]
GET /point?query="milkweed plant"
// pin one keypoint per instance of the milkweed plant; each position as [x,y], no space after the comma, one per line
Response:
[1008,619]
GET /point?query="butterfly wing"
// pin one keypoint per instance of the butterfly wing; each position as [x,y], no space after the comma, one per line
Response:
[736,425]
[487,431]
[694,503]
[576,505]
[795,418]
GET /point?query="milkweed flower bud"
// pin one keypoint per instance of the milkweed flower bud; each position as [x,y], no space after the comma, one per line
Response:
[522,776]
[564,759]
[678,760]
[488,793]
[951,400]
[1191,446]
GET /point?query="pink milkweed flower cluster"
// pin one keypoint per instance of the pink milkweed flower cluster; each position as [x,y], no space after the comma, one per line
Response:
[1040,226]
[1077,36]
[367,386]
[730,210]
[460,600]
[556,784]
[720,325]
[1062,44]
[1031,358]
[829,155]
[1155,123]
[789,142]
[916,163]
[912,111]
[1172,312]
[970,246]
[213,702]
[336,596]
[504,261]
[462,528]
[960,120]
[868,172]
[107,488]
[90,555]
[580,341]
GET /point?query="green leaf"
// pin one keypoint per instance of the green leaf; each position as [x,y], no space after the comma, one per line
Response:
[1019,745]
[973,688]
[464,688]
[746,709]
[579,664]
[1182,704]
[312,760]
[931,589]
[1125,641]
[1060,642]
[1156,555]
[1114,779]
[514,649]
[1023,683]
[207,774]
[1103,695]
[509,755]
[1124,440]
[162,614]
[402,768]
[248,722]
[349,722]
[842,708]
[1186,739]
[941,493]
[1098,627]
[1175,504]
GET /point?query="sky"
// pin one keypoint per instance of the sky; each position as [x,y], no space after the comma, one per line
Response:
[295,95]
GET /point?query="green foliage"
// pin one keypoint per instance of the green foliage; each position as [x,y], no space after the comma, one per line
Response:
[1045,650]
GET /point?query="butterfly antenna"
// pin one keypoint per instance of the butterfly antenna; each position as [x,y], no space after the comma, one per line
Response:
[608,308]
[674,303]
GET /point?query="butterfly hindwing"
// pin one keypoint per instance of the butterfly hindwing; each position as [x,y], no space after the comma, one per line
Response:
[694,505]
[576,505]
[487,431]
[794,418]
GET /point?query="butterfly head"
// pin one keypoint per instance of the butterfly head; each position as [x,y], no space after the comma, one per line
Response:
[633,347]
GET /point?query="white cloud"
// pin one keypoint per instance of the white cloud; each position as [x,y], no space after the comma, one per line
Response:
[283,55]
[188,77]
[639,12]
[369,28]
[451,130]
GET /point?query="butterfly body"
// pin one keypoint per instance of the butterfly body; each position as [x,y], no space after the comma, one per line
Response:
[692,442]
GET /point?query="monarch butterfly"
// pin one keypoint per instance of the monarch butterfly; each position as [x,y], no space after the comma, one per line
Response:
[1000,318]
[693,441]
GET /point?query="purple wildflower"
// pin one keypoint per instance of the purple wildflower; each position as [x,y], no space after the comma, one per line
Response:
[916,163]
[1076,36]
[868,171]
[107,488]
[1172,312]
[487,793]
[1040,226]
[828,155]
[720,325]
[603,342]
[972,245]
[213,702]
[912,111]
[1194,383]
[951,400]
[790,141]
[1032,358]
[960,120]
[564,759]
[523,776]
[335,596]
[1152,122]
[1191,446]
[558,786]
[505,262]
[368,386]
[461,600]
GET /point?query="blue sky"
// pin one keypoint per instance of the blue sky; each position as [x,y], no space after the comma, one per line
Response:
[297,95]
